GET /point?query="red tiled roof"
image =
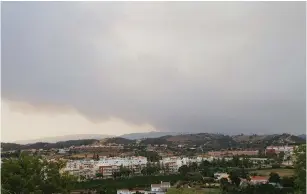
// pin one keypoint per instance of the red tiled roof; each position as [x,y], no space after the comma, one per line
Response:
[259,178]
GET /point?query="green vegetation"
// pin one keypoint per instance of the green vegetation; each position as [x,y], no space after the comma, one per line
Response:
[274,178]
[280,171]
[193,191]
[44,145]
[233,187]
[300,168]
[27,174]
[32,174]
[110,185]
[150,155]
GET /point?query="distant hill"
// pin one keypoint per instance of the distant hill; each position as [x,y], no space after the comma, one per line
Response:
[303,136]
[45,145]
[63,138]
[208,141]
[10,146]
[285,138]
[153,134]
[118,140]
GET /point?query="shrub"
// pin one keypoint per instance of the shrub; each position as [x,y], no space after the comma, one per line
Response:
[275,165]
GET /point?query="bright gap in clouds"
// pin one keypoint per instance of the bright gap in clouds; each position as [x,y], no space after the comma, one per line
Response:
[48,123]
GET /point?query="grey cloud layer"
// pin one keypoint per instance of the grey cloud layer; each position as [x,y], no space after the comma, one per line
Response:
[211,67]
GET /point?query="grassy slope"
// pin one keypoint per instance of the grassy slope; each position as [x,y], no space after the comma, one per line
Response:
[193,191]
[282,172]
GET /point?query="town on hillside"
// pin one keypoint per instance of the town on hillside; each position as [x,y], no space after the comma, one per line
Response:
[122,166]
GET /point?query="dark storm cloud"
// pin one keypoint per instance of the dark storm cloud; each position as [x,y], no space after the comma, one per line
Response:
[189,66]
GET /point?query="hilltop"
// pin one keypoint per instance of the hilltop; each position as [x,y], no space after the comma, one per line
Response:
[63,138]
[218,141]
[208,141]
[46,145]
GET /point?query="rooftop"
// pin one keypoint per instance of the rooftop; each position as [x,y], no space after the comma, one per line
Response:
[259,178]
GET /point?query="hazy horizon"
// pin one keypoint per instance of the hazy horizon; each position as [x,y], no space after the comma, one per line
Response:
[127,67]
[54,139]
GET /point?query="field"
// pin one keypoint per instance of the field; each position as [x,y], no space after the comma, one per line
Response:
[282,172]
[193,191]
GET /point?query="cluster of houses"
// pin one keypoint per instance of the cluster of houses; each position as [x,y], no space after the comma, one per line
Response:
[254,180]
[106,166]
[229,153]
[287,150]
[278,149]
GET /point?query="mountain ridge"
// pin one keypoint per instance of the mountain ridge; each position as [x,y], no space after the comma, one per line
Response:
[56,139]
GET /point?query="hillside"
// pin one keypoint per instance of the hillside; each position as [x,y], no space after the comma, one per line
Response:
[218,141]
[280,139]
[45,145]
[63,138]
[302,136]
[207,141]
[153,134]
[117,140]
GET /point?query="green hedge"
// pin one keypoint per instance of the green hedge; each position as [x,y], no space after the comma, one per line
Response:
[131,182]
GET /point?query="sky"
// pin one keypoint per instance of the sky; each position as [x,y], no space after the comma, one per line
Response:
[123,67]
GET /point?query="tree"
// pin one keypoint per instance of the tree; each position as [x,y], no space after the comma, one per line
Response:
[99,174]
[274,177]
[204,163]
[288,159]
[150,169]
[193,167]
[223,162]
[224,183]
[300,168]
[82,177]
[235,161]
[275,165]
[183,170]
[116,174]
[193,176]
[243,173]
[33,174]
[150,155]
[234,177]
[123,171]
[97,157]
[287,181]
[281,156]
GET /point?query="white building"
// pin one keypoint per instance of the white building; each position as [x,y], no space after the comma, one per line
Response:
[258,180]
[127,191]
[174,163]
[105,166]
[62,151]
[155,189]
[278,149]
[160,188]
[219,176]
